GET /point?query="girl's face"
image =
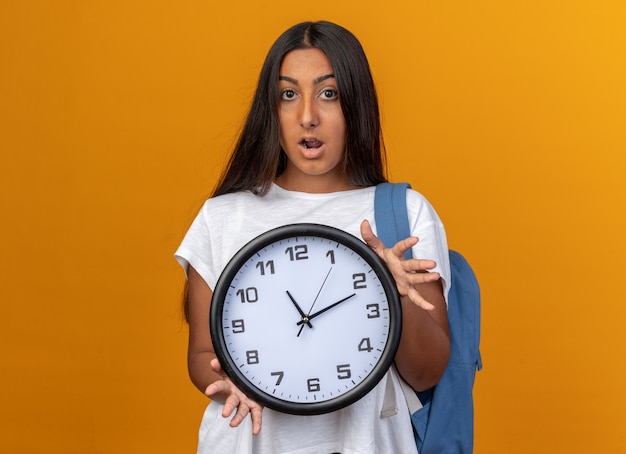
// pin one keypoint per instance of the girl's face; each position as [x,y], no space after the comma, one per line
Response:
[312,125]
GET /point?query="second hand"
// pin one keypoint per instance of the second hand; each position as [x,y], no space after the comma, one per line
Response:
[315,300]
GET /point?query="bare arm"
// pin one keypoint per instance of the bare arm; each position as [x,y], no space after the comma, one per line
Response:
[204,368]
[424,348]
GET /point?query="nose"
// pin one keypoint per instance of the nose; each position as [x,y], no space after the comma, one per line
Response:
[309,117]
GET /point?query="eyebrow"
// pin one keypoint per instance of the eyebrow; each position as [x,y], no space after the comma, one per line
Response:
[315,81]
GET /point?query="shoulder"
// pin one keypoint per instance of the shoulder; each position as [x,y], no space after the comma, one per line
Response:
[227,202]
[419,206]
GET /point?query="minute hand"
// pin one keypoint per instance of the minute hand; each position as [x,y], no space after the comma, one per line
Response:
[312,316]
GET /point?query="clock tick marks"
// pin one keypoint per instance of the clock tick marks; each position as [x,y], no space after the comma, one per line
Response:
[270,329]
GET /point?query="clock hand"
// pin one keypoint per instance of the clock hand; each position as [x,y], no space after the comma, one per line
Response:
[312,316]
[320,290]
[305,319]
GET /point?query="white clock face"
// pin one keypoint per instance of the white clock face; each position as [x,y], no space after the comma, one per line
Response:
[307,323]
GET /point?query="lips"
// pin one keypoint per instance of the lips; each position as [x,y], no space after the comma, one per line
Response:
[310,144]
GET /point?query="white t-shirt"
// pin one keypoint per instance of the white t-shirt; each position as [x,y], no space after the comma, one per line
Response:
[224,225]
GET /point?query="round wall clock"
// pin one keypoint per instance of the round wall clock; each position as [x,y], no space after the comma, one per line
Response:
[305,319]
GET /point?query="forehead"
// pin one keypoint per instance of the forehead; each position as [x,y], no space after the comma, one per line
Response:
[305,64]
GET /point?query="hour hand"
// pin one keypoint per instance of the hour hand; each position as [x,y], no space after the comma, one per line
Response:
[305,318]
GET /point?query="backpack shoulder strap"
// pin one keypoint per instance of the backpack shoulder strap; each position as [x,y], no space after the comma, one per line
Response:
[391,216]
[446,422]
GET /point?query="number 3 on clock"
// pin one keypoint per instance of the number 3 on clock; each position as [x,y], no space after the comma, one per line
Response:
[305,319]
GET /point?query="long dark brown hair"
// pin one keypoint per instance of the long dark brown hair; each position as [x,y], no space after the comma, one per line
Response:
[257,158]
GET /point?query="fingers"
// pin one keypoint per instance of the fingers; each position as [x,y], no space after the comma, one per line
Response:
[216,366]
[408,274]
[244,407]
[417,271]
[418,265]
[417,299]
[404,245]
[378,246]
[372,240]
[235,400]
[257,415]
[219,386]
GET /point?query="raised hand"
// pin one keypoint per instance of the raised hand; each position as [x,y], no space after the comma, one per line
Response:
[406,273]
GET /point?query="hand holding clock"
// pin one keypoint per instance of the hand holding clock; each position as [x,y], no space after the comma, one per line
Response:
[235,399]
[406,273]
[204,368]
[295,394]
[424,351]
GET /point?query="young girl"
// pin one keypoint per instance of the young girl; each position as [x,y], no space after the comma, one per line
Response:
[311,151]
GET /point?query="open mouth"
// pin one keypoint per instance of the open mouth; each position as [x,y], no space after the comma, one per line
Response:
[310,143]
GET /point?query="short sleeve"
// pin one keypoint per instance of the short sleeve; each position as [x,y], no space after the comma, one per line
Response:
[197,249]
[428,228]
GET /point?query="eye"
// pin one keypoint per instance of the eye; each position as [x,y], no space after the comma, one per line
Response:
[329,93]
[287,94]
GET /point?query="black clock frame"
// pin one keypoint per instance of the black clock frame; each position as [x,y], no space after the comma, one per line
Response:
[300,230]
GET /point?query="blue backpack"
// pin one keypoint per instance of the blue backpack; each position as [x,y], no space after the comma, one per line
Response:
[445,423]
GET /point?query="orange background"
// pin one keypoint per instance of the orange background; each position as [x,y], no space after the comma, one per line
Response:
[116,116]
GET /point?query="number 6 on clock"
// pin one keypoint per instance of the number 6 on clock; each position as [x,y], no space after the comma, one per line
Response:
[305,319]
